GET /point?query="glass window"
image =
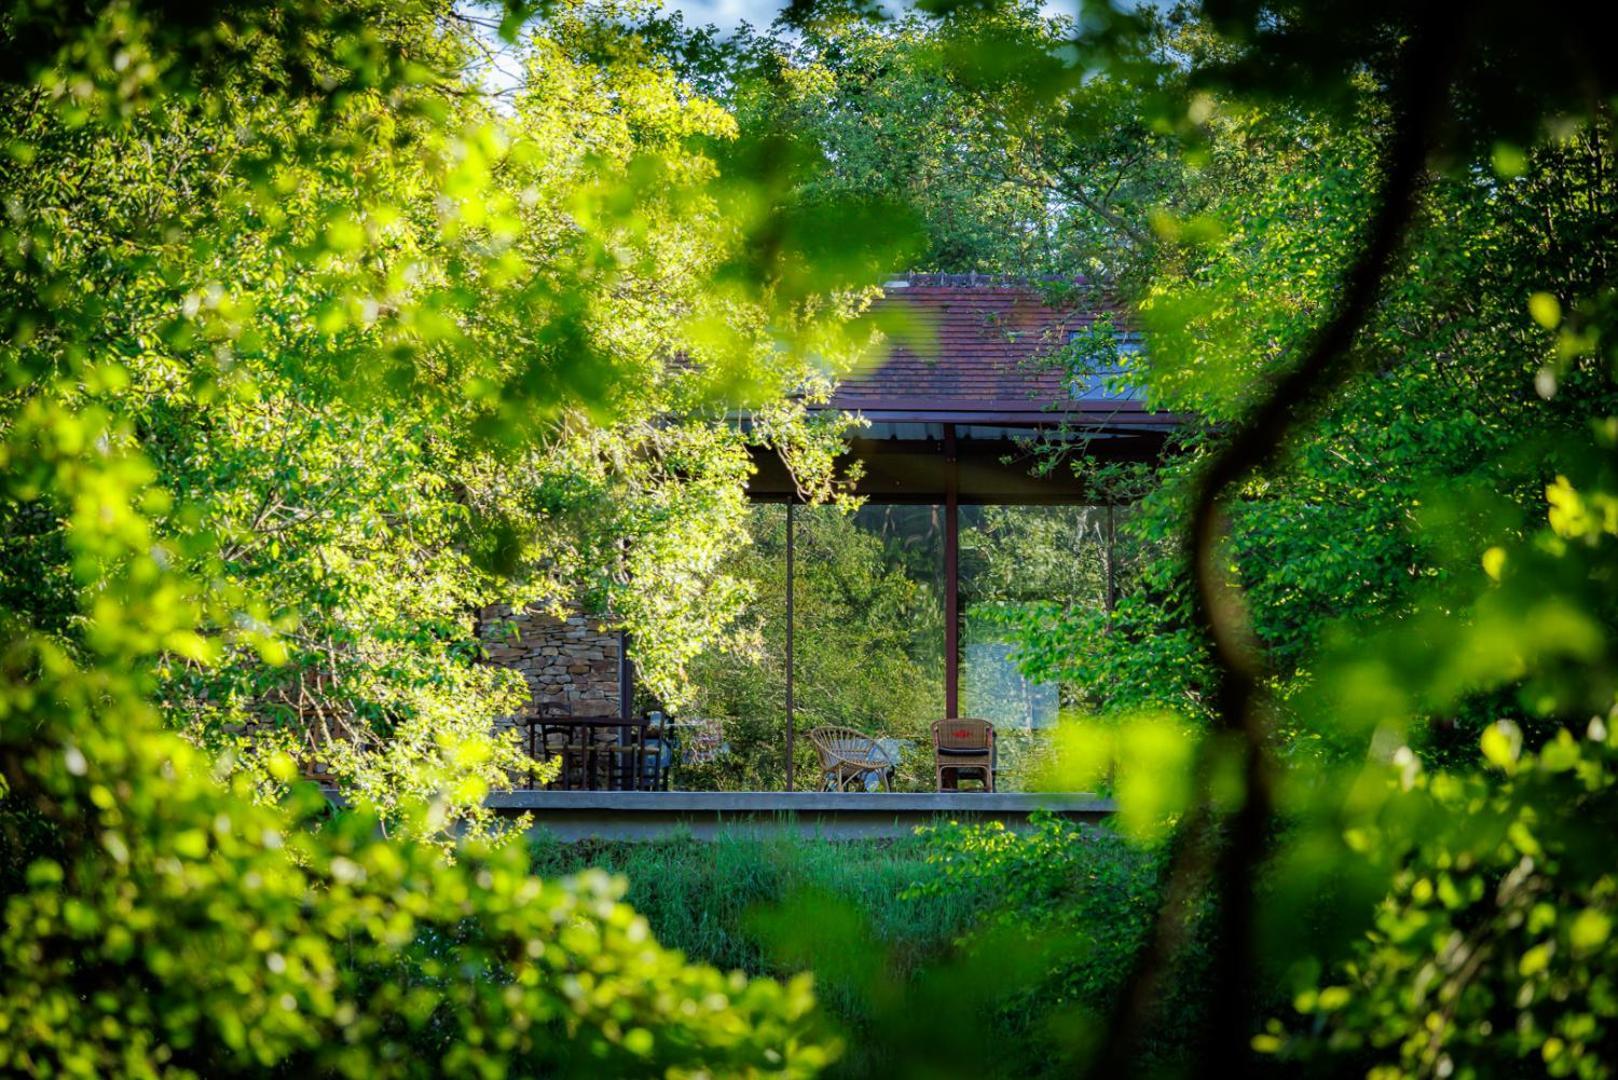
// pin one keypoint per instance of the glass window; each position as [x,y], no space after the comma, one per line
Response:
[732,735]
[868,647]
[869,636]
[868,633]
[1020,566]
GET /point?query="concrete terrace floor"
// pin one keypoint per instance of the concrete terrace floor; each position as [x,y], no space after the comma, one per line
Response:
[645,815]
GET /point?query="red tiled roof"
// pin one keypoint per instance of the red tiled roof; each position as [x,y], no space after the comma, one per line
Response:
[975,346]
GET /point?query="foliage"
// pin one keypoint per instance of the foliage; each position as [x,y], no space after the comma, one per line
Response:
[914,919]
[1534,647]
[1044,578]
[1028,167]
[700,896]
[1495,934]
[194,933]
[398,357]
[308,351]
[1483,364]
[783,906]
[1086,897]
[1497,888]
[1346,524]
[177,926]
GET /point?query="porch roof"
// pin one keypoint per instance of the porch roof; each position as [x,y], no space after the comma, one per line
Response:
[974,348]
[967,389]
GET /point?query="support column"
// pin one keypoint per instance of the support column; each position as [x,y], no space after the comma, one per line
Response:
[1112,556]
[626,680]
[792,722]
[952,576]
[631,761]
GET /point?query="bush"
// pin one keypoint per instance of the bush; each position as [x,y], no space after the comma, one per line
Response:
[171,926]
[1022,939]
[1494,946]
[1079,900]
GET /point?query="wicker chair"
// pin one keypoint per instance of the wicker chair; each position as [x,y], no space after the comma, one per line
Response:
[848,756]
[964,745]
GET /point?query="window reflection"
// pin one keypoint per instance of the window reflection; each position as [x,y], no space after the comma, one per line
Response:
[867,648]
[869,632]
[732,735]
[868,613]
[1021,565]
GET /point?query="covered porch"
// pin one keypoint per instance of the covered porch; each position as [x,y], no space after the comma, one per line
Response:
[890,617]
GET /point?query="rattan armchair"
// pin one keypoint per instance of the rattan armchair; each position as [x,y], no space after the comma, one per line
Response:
[847,756]
[964,745]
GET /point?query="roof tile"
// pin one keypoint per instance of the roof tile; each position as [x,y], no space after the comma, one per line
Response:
[975,339]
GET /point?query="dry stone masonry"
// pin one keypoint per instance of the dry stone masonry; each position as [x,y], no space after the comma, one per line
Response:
[570,666]
[570,663]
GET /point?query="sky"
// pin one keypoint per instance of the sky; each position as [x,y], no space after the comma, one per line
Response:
[726,13]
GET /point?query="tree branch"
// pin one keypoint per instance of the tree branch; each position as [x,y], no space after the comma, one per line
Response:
[1417,98]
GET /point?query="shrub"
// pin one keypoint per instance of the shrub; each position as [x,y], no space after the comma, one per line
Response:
[1020,938]
[169,925]
[1079,900]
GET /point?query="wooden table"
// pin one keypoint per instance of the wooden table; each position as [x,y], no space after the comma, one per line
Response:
[625,760]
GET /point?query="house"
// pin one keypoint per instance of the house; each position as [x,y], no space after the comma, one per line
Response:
[990,390]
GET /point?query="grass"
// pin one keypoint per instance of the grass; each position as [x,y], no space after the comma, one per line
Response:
[705,897]
[969,950]
[778,904]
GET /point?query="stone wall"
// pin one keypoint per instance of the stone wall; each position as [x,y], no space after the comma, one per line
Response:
[571,666]
[570,663]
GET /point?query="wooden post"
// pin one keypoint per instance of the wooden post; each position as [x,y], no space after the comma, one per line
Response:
[952,583]
[628,758]
[1112,554]
[792,722]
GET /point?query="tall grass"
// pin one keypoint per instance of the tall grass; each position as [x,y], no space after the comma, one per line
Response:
[966,951]
[706,897]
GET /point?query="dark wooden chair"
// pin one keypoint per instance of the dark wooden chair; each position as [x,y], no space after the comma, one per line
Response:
[625,760]
[964,746]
